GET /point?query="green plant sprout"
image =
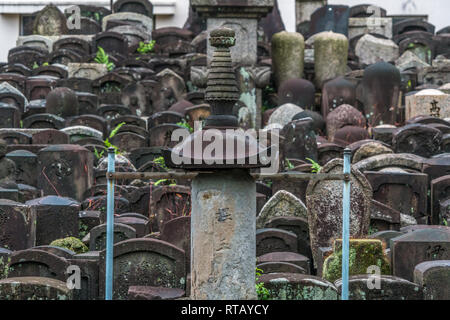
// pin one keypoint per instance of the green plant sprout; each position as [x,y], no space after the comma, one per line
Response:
[315,166]
[103,58]
[146,47]
[108,144]
[186,125]
[261,291]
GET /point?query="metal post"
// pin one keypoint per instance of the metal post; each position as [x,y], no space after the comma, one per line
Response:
[110,226]
[346,225]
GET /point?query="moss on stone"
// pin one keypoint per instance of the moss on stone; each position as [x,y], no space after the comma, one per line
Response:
[71,243]
[363,253]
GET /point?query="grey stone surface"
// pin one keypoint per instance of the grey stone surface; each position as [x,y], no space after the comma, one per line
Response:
[223,236]
[370,50]
[90,71]
[141,19]
[284,114]
[282,203]
[244,53]
[378,25]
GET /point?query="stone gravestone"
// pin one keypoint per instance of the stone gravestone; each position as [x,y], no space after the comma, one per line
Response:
[295,286]
[370,50]
[56,218]
[26,166]
[50,22]
[427,102]
[330,18]
[65,170]
[37,263]
[418,246]
[146,262]
[282,204]
[381,85]
[392,288]
[418,139]
[324,202]
[434,278]
[97,239]
[275,240]
[17,225]
[34,288]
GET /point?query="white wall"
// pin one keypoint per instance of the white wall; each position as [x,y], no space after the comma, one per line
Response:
[9,31]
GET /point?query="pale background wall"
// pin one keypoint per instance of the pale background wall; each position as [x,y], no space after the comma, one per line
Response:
[175,13]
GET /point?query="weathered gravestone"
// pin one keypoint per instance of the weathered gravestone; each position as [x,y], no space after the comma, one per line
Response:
[294,286]
[26,164]
[418,246]
[65,170]
[324,202]
[434,278]
[427,102]
[34,288]
[391,288]
[97,239]
[56,218]
[37,263]
[17,225]
[418,139]
[381,85]
[50,21]
[282,204]
[146,262]
[275,240]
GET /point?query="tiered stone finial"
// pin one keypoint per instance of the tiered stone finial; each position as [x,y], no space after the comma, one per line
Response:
[222,91]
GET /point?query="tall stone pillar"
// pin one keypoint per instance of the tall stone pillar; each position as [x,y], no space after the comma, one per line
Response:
[223,225]
[223,233]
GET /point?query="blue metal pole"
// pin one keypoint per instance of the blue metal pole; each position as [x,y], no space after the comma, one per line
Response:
[110,226]
[346,225]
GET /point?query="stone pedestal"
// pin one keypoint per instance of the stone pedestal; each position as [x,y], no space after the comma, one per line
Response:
[223,233]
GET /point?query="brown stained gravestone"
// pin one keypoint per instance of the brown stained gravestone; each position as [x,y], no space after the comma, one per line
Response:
[324,202]
[97,239]
[440,192]
[178,232]
[401,190]
[275,240]
[37,263]
[418,139]
[383,217]
[300,140]
[56,218]
[65,170]
[139,224]
[17,225]
[418,246]
[26,164]
[337,92]
[296,225]
[168,202]
[344,115]
[144,262]
[434,278]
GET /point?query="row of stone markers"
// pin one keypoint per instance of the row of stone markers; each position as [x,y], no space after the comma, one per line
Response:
[350,77]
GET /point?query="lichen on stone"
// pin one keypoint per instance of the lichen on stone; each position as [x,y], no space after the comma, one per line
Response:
[71,243]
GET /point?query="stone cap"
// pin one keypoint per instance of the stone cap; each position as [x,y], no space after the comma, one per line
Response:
[233,8]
